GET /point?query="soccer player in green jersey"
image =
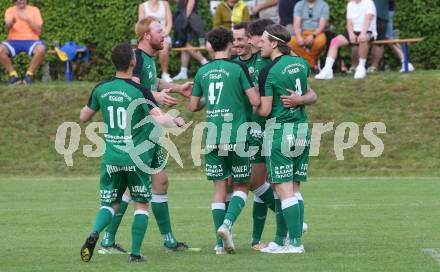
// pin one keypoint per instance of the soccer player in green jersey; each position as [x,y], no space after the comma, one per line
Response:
[226,89]
[255,29]
[119,170]
[287,137]
[263,193]
[151,38]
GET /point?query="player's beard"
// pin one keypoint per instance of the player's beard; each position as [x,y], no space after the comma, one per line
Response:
[158,46]
[241,51]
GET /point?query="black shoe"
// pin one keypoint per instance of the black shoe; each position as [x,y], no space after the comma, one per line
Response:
[180,246]
[113,249]
[14,80]
[27,80]
[88,247]
[136,258]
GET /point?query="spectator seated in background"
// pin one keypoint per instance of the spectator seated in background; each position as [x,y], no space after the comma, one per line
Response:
[188,27]
[265,9]
[24,23]
[310,20]
[285,8]
[161,10]
[361,27]
[385,13]
[230,12]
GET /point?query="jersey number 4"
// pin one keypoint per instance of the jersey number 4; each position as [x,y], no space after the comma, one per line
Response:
[121,117]
[214,88]
[298,88]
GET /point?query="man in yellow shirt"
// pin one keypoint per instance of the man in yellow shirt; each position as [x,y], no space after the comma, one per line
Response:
[24,23]
[230,12]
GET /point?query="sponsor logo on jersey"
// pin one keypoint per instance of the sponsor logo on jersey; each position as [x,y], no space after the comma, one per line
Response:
[116,98]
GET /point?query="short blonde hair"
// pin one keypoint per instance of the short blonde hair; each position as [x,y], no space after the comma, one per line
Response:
[143,26]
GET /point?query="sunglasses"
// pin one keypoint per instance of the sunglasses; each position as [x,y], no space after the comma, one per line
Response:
[310,13]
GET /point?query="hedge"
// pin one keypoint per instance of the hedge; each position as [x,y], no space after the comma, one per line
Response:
[102,23]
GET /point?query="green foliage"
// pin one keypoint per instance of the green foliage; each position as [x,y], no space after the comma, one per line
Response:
[100,24]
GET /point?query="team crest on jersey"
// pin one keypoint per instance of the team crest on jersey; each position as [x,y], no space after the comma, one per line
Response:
[150,75]
[251,70]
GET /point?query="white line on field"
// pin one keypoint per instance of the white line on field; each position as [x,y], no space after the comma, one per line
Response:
[377,178]
[435,253]
[186,178]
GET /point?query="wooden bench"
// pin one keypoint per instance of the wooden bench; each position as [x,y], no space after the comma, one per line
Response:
[186,49]
[405,48]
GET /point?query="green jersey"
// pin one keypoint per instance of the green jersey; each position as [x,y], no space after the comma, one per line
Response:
[145,70]
[113,97]
[285,72]
[255,64]
[223,83]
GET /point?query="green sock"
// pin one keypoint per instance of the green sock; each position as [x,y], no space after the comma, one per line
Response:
[301,209]
[138,229]
[227,201]
[281,229]
[290,208]
[159,206]
[110,232]
[265,193]
[259,213]
[103,218]
[236,205]
[218,215]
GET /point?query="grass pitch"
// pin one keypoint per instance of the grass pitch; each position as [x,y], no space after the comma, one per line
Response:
[355,224]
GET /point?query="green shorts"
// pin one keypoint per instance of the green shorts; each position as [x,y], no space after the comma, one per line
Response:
[256,146]
[158,160]
[284,166]
[115,179]
[223,161]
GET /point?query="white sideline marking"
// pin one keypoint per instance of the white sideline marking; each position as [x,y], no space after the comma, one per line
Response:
[182,178]
[377,178]
[435,253]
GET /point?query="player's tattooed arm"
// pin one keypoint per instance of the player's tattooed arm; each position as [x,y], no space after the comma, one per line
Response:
[196,103]
[86,114]
[295,100]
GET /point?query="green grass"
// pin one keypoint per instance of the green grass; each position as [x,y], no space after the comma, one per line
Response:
[355,224]
[364,214]
[407,104]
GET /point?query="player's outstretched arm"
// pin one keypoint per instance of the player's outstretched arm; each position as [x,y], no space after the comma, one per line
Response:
[86,114]
[164,98]
[196,103]
[166,120]
[253,96]
[184,89]
[265,106]
[294,100]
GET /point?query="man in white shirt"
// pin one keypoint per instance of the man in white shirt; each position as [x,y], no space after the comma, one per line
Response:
[361,28]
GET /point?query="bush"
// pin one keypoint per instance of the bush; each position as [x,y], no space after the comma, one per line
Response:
[100,24]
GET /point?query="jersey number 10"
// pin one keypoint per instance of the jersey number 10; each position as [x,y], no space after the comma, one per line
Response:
[121,117]
[216,87]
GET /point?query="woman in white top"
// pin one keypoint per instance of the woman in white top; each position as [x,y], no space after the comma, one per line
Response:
[161,10]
